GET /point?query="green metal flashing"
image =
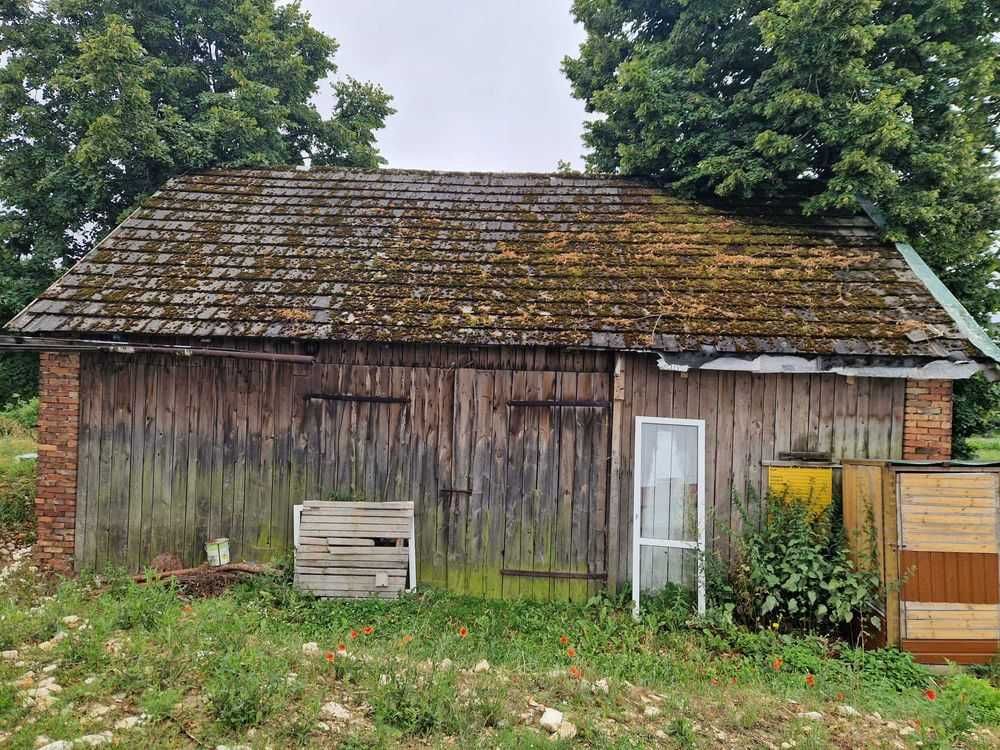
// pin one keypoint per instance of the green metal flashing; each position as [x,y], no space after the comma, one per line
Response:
[963,320]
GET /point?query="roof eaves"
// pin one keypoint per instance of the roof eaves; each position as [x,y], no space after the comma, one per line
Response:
[964,321]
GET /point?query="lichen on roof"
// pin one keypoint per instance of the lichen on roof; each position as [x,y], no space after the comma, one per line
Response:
[476,258]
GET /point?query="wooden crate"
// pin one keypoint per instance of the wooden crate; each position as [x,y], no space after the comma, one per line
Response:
[355,549]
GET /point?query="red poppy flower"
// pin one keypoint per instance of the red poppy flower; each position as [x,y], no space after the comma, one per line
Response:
[341,648]
[714,682]
[931,695]
[329,656]
[776,664]
[463,631]
[564,640]
[354,634]
[575,672]
[407,638]
[571,652]
[368,630]
[810,680]
[840,696]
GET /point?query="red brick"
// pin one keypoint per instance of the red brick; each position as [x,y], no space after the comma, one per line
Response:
[927,420]
[58,427]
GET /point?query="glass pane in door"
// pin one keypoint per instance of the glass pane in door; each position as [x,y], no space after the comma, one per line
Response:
[668,484]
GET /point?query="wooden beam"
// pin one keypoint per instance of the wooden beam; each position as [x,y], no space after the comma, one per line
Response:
[615,474]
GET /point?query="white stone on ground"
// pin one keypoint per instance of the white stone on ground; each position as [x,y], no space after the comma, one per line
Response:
[848,711]
[334,710]
[601,686]
[310,649]
[551,720]
[58,745]
[481,666]
[811,715]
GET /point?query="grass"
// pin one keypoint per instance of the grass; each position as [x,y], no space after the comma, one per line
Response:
[986,447]
[17,485]
[231,670]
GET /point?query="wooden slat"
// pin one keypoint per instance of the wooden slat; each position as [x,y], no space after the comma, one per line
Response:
[923,620]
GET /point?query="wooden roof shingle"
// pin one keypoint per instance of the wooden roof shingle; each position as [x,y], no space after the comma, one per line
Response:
[396,255]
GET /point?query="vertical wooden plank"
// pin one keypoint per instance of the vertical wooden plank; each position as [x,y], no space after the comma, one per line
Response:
[498,484]
[133,560]
[118,521]
[478,502]
[229,419]
[616,478]
[709,409]
[783,414]
[179,457]
[513,504]
[827,402]
[799,426]
[815,406]
[281,507]
[743,431]
[101,554]
[724,463]
[458,500]
[445,461]
[545,488]
[862,417]
[896,419]
[196,384]
[597,558]
[755,438]
[241,384]
[889,550]
[571,514]
[88,452]
[203,463]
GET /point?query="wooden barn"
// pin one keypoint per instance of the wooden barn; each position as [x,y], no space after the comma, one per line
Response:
[540,363]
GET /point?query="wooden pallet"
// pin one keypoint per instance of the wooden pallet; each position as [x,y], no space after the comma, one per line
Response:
[355,549]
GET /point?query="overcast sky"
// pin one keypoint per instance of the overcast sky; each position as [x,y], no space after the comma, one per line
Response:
[476,83]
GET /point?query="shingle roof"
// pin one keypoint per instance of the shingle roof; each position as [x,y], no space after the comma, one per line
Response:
[395,255]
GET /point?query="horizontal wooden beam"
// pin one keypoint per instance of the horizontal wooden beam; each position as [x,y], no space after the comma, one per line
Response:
[558,402]
[361,399]
[553,574]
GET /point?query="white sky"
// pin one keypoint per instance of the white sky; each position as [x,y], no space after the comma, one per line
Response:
[476,83]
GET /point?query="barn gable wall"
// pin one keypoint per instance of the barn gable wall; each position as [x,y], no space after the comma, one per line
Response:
[175,451]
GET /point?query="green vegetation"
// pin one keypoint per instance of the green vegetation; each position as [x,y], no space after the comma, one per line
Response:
[985,447]
[795,573]
[17,477]
[233,669]
[822,99]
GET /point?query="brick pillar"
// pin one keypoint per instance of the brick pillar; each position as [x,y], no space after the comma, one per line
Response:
[927,422]
[58,429]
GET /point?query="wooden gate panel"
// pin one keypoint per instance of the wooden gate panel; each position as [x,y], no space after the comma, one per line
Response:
[949,561]
[973,578]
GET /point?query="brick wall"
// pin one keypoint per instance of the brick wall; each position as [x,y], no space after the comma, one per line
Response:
[58,428]
[927,422]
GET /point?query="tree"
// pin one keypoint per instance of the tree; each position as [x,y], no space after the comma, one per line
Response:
[897,101]
[101,101]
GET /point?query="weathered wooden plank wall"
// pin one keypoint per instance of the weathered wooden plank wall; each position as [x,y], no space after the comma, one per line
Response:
[175,451]
[749,419]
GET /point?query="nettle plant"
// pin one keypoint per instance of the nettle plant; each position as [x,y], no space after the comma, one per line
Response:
[794,572]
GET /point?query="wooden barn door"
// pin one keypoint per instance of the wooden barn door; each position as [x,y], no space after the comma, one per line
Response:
[948,558]
[555,498]
[522,505]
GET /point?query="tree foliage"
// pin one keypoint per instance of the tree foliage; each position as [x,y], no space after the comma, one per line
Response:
[897,101]
[101,101]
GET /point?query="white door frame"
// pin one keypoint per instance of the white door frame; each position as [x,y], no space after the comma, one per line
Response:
[637,540]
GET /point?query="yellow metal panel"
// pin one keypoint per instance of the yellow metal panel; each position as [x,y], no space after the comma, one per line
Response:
[805,484]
